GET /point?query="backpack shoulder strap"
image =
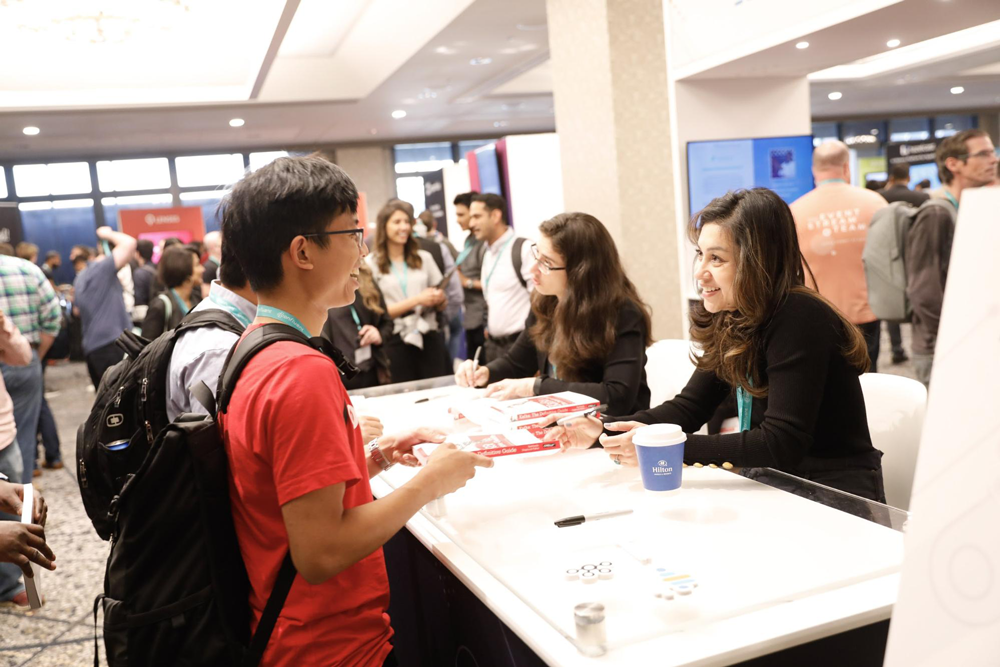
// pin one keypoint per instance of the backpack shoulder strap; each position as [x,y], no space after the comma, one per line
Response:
[515,257]
[269,617]
[244,351]
[167,306]
[210,317]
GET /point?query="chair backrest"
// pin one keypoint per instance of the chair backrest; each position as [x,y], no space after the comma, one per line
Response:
[668,369]
[895,407]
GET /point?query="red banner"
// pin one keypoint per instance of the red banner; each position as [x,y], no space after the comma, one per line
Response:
[156,224]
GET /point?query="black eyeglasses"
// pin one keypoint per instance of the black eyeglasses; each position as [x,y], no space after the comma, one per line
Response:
[358,231]
[543,265]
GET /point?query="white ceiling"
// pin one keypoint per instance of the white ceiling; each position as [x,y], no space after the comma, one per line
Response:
[318,72]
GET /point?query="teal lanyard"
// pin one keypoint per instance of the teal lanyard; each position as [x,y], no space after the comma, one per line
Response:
[470,243]
[486,284]
[357,320]
[180,302]
[231,309]
[744,405]
[402,281]
[951,198]
[283,317]
[555,371]
[831,180]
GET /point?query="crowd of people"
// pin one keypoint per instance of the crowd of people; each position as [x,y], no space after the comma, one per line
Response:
[783,326]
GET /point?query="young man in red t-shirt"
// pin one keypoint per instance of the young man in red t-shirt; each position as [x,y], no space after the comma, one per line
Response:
[298,468]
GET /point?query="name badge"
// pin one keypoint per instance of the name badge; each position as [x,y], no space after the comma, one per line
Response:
[362,354]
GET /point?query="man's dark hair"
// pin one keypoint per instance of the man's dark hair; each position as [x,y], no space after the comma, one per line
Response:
[286,198]
[926,183]
[230,272]
[900,172]
[175,266]
[493,203]
[53,254]
[954,146]
[172,241]
[464,199]
[144,248]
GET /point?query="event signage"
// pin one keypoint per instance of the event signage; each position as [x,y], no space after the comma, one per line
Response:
[435,200]
[911,152]
[11,229]
[156,224]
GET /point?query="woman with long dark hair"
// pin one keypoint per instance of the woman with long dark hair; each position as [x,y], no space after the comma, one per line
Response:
[409,280]
[359,331]
[588,329]
[792,359]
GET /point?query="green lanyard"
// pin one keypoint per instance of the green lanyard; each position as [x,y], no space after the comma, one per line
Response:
[406,274]
[486,284]
[951,198]
[283,317]
[831,180]
[357,320]
[744,406]
[180,302]
[240,316]
[470,243]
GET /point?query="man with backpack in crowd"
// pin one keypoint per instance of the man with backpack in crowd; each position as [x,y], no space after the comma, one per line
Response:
[505,274]
[298,468]
[965,160]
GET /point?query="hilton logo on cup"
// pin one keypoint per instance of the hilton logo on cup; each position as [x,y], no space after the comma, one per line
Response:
[660,450]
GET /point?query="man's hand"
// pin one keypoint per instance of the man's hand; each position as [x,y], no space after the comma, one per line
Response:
[371,428]
[105,233]
[449,468]
[508,389]
[398,448]
[22,544]
[12,498]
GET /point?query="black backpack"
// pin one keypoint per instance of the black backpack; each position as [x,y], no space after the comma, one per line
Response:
[175,590]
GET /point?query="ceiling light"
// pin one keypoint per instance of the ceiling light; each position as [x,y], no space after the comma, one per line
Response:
[31,130]
[802,45]
[892,43]
[875,131]
[373,131]
[835,96]
[445,50]
[531,27]
[957,90]
[481,61]
[236,122]
[500,123]
[398,113]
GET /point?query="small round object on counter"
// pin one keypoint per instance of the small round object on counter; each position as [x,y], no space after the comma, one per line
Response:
[698,465]
[572,574]
[727,466]
[588,577]
[588,566]
[605,573]
[604,563]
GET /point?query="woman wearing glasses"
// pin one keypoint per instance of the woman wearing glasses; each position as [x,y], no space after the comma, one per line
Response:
[409,280]
[588,329]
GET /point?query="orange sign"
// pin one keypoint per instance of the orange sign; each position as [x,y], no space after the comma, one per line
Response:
[156,224]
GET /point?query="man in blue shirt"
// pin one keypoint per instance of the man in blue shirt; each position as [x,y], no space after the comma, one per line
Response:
[98,298]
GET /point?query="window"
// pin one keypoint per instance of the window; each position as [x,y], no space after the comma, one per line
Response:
[3,183]
[258,160]
[411,189]
[945,126]
[414,158]
[113,204]
[61,178]
[824,132]
[141,174]
[202,170]
[59,225]
[909,129]
[209,201]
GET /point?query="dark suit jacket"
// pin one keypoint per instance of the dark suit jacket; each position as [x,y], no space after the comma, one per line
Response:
[903,193]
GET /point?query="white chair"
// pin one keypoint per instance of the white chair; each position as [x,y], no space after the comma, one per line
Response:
[668,369]
[895,407]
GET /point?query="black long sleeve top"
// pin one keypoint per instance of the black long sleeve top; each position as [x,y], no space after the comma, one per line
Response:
[813,418]
[619,381]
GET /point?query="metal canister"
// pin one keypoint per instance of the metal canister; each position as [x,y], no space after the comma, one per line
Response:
[590,630]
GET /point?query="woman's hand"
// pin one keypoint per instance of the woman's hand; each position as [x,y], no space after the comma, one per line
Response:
[430,297]
[398,448]
[620,447]
[371,428]
[469,376]
[508,389]
[369,335]
[579,433]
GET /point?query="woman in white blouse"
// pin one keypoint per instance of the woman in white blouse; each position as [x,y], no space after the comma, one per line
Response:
[409,280]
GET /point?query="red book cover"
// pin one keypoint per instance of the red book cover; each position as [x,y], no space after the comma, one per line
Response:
[540,406]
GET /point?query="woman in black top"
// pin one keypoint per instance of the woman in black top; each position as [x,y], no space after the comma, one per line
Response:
[587,331]
[359,330]
[180,271]
[791,357]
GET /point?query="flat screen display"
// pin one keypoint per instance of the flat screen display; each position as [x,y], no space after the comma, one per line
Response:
[928,171]
[783,164]
[489,170]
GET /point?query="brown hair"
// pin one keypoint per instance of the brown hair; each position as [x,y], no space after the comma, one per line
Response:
[410,250]
[176,265]
[26,250]
[769,267]
[369,291]
[579,330]
[954,146]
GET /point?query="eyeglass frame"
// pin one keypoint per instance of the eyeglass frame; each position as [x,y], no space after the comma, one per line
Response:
[357,230]
[985,153]
[543,267]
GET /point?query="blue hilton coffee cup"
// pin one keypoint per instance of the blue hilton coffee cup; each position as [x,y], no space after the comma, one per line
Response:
[660,450]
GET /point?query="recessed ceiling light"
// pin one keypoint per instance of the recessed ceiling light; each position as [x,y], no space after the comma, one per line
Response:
[875,131]
[835,96]
[373,131]
[500,123]
[445,50]
[802,45]
[484,60]
[237,122]
[892,43]
[31,130]
[957,90]
[398,113]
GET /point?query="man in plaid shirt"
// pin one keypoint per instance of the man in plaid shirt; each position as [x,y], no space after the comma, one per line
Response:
[27,298]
